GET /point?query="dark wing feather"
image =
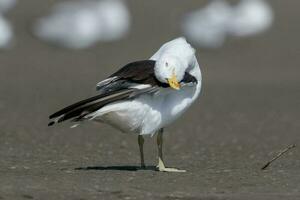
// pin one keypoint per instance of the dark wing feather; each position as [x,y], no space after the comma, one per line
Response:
[136,71]
[90,107]
[188,78]
[76,105]
[139,72]
[119,86]
[78,111]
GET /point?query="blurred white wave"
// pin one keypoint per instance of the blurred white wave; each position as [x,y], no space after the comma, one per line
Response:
[81,24]
[6,5]
[208,27]
[251,17]
[6,33]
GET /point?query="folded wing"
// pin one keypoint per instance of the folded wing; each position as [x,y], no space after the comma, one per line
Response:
[130,81]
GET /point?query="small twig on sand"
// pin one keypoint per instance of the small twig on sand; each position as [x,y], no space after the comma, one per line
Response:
[278,155]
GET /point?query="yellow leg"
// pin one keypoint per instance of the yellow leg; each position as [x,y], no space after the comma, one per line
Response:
[141,143]
[161,166]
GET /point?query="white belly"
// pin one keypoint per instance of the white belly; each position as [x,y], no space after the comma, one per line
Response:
[147,113]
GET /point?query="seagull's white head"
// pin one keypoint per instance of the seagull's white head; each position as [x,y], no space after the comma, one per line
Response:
[170,69]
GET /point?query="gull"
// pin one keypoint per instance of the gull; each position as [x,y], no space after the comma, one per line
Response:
[143,97]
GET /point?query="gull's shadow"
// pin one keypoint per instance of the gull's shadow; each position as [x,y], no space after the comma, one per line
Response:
[117,168]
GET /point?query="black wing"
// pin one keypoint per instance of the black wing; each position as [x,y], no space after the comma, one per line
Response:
[79,110]
[135,73]
[119,86]
[139,72]
[188,78]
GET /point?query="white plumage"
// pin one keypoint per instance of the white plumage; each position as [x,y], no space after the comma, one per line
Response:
[150,112]
[143,97]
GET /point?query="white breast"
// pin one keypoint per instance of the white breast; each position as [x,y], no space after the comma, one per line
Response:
[140,115]
[148,113]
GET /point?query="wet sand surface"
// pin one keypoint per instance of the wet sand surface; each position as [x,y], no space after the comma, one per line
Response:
[248,111]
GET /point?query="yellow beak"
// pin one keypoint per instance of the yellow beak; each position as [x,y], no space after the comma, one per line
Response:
[173,82]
